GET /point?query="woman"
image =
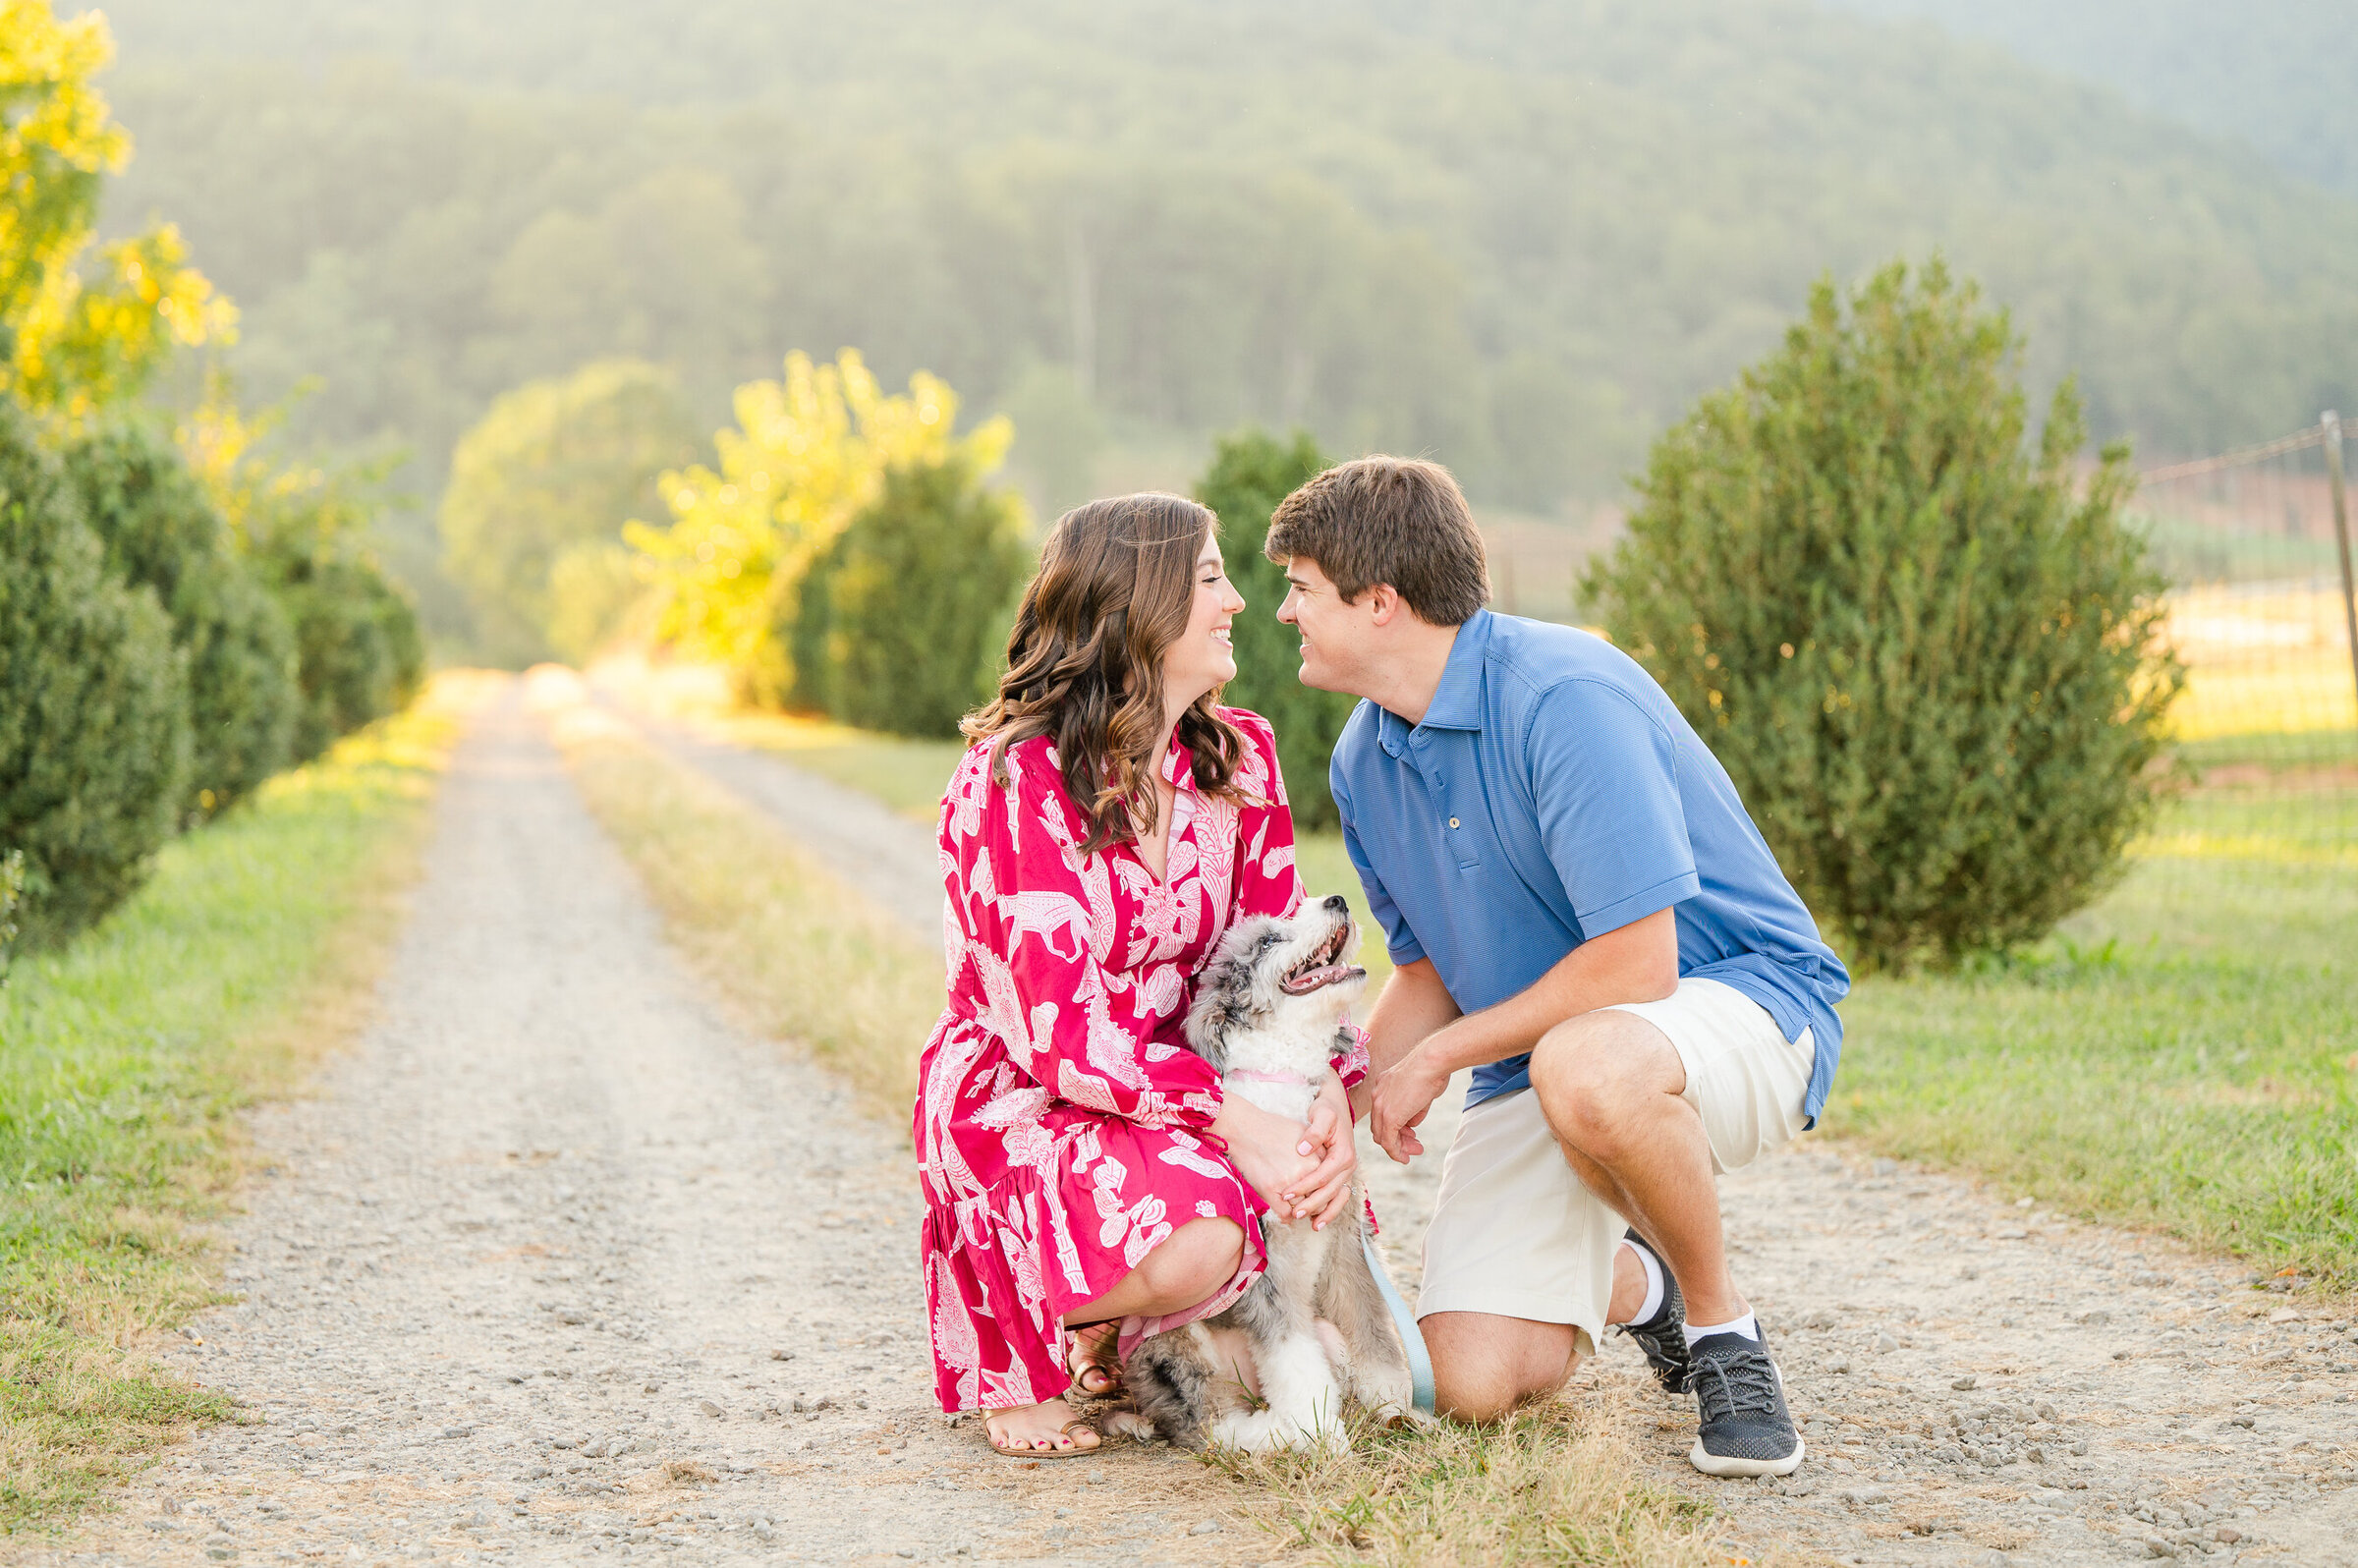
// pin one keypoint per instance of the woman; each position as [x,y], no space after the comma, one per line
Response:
[1108,825]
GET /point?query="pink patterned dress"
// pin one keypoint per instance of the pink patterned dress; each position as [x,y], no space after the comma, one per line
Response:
[1060,1118]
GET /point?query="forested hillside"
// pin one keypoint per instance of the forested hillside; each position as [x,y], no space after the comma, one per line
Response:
[2278,74]
[1520,236]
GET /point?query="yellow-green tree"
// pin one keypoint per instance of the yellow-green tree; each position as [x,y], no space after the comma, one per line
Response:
[806,454]
[77,330]
[545,480]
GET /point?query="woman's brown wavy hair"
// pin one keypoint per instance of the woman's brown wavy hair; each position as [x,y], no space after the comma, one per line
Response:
[1116,587]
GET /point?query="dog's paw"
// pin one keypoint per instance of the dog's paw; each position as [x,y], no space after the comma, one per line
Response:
[1251,1432]
[1124,1421]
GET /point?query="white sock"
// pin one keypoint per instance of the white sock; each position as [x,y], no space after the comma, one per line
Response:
[1654,1283]
[1747,1325]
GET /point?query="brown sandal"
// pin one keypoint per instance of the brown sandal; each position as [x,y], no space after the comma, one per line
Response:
[1079,1367]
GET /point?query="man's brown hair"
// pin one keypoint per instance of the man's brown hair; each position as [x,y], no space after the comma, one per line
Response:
[1391,520]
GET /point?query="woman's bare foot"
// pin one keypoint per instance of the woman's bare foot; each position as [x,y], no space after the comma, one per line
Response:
[1043,1429]
[1088,1358]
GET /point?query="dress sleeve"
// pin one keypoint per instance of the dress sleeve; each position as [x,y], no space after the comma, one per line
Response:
[1037,921]
[1266,880]
[1350,1056]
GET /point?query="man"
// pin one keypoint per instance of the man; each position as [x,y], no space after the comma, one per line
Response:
[1580,910]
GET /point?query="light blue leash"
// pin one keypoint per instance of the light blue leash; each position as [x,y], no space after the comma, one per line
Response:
[1412,1338]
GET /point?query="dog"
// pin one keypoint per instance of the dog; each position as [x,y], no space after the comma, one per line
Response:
[1269,1014]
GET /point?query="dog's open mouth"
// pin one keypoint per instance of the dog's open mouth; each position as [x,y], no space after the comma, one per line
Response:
[1322,968]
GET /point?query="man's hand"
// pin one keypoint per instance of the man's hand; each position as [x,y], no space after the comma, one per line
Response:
[1404,1094]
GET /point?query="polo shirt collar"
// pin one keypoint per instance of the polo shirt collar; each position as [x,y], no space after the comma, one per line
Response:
[1457,701]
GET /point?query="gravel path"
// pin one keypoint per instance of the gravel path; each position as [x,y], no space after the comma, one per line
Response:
[1979,1383]
[554,1267]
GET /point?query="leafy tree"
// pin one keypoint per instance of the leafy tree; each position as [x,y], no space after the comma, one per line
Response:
[71,341]
[94,703]
[161,532]
[1927,653]
[1250,473]
[806,456]
[901,625]
[359,651]
[552,465]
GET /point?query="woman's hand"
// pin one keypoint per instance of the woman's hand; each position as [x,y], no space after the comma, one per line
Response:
[1325,1193]
[1270,1152]
[1302,1172]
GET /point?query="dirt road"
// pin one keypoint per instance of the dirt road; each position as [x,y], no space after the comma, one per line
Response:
[554,1267]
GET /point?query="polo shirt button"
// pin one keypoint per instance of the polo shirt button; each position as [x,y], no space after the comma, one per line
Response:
[1454,821]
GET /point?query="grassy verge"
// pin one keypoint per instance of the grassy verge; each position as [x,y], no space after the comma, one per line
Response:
[794,950]
[1560,1486]
[123,1060]
[2184,1054]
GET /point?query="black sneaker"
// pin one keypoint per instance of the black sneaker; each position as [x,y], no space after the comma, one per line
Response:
[1745,1429]
[1664,1336]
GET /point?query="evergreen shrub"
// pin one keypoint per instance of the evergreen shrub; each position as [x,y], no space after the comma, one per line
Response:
[900,625]
[94,705]
[161,532]
[1251,471]
[359,651]
[12,889]
[1926,650]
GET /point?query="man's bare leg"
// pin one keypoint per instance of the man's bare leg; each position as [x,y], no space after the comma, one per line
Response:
[1483,1366]
[1611,1085]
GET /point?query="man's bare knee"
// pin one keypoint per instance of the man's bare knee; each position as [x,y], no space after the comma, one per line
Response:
[1484,1366]
[1597,1074]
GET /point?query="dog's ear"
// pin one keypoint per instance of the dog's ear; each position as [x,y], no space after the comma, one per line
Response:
[1225,988]
[1218,1009]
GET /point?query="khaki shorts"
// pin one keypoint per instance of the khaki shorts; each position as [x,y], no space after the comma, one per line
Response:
[1516,1235]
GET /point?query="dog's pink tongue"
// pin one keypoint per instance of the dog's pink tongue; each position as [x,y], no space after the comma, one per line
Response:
[1319,977]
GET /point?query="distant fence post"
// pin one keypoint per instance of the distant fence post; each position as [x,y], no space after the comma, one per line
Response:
[2331,421]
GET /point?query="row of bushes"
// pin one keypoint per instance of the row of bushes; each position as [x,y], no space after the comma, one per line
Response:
[155,664]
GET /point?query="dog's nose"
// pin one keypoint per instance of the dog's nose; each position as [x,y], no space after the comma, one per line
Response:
[1336,904]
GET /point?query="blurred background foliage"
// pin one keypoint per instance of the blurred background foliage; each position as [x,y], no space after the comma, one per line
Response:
[181,614]
[1519,237]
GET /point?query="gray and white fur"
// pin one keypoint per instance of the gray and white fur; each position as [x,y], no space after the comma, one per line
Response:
[1272,1001]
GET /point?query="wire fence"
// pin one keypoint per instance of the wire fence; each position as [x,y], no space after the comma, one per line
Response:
[2257,543]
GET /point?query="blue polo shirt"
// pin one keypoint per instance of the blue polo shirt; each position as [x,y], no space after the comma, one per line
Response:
[1552,793]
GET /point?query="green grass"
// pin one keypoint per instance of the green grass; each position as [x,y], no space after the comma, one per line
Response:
[2184,1054]
[1562,1484]
[123,1059]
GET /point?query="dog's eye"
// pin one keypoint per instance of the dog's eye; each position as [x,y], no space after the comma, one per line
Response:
[1269,940]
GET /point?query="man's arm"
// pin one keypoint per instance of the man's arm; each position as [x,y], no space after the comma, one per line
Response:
[1412,1061]
[1412,1005]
